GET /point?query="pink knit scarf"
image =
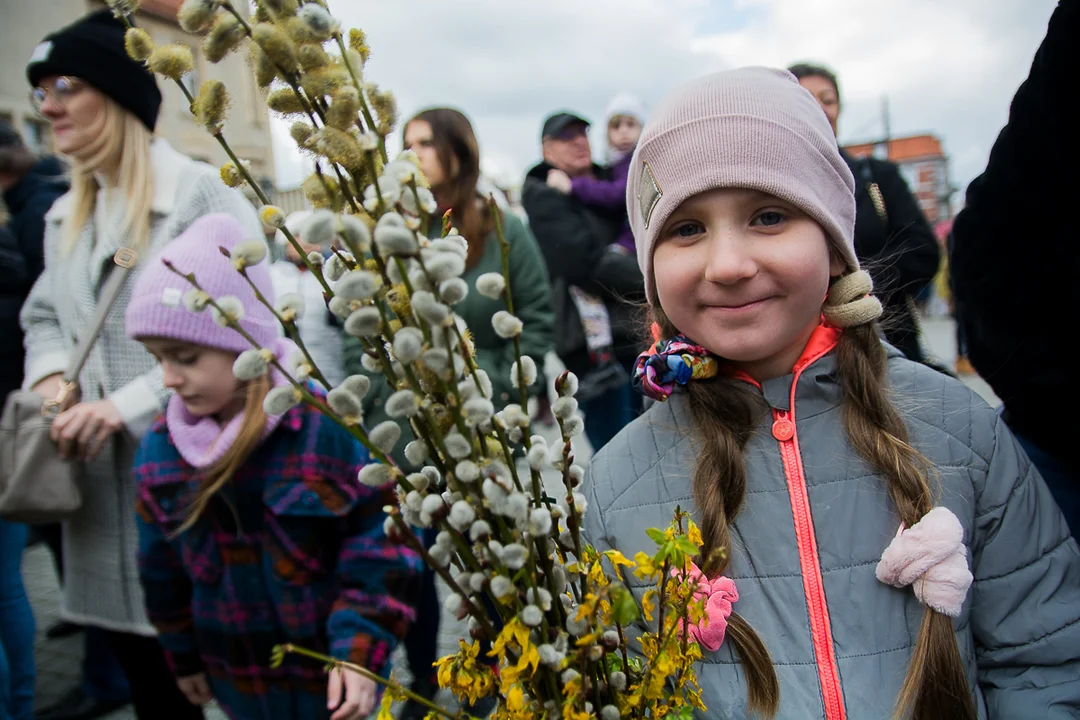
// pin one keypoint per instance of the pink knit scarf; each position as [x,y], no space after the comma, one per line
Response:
[201,440]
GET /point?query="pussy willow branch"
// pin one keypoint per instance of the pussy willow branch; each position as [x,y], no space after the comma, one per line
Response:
[508,296]
[311,107]
[368,118]
[306,395]
[291,330]
[415,544]
[523,388]
[290,649]
[240,167]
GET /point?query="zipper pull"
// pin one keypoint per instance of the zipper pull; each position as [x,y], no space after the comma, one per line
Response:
[783,429]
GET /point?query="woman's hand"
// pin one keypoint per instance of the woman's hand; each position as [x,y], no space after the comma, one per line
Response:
[82,431]
[359,695]
[195,689]
[560,181]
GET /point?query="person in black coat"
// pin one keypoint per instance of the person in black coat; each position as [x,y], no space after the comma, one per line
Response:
[30,186]
[1019,215]
[893,240]
[576,241]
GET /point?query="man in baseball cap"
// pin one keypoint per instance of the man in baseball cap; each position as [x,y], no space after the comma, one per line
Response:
[591,282]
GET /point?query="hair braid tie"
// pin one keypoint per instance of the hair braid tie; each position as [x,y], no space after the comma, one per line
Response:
[850,303]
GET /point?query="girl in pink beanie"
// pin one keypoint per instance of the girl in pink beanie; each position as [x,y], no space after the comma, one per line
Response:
[875,542]
[253,529]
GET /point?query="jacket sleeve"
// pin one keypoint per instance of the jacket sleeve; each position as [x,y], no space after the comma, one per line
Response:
[1031,169]
[143,398]
[571,248]
[911,255]
[603,193]
[532,305]
[166,587]
[1025,611]
[377,579]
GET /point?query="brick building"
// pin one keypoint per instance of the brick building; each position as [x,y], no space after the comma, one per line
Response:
[924,166]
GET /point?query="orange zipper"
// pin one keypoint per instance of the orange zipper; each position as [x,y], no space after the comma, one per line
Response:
[813,586]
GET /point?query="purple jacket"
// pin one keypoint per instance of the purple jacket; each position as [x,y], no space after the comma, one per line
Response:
[608,194]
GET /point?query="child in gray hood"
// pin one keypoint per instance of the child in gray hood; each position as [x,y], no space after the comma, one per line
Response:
[888,549]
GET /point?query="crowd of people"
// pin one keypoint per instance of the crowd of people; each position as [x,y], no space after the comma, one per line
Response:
[736,296]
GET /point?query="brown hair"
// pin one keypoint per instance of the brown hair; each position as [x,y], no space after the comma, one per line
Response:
[247,440]
[725,415]
[459,155]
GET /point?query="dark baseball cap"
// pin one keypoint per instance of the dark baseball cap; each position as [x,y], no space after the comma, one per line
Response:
[555,124]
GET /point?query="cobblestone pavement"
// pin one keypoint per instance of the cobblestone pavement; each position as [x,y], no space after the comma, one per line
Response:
[59,661]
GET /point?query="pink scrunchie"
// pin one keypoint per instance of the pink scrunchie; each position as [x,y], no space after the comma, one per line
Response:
[930,556]
[719,594]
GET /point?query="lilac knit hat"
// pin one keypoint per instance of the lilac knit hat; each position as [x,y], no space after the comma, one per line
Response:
[158,307]
[754,128]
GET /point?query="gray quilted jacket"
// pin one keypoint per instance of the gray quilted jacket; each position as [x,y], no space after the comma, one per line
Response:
[101,581]
[805,549]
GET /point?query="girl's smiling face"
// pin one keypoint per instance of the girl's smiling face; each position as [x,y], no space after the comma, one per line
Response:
[744,274]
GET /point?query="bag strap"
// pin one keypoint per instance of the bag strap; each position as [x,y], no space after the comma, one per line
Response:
[125,259]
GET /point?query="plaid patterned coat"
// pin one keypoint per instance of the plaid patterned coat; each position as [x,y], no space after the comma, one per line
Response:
[292,550]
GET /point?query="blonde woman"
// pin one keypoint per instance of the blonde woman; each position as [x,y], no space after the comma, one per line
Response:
[129,189]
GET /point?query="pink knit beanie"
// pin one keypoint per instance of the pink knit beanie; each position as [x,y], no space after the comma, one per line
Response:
[158,307]
[753,128]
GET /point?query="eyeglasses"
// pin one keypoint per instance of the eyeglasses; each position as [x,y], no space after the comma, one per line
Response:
[62,90]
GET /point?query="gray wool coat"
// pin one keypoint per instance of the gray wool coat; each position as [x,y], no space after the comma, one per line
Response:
[101,581]
[804,550]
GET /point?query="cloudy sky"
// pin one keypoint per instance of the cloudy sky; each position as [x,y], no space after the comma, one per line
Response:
[947,66]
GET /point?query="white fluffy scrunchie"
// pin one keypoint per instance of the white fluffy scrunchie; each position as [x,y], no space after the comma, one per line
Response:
[850,303]
[931,557]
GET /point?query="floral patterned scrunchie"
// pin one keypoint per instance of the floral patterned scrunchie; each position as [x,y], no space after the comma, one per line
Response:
[672,362]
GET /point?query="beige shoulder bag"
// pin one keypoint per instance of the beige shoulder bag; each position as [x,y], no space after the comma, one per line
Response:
[36,486]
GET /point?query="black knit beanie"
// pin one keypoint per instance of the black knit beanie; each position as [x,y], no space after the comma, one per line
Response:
[92,49]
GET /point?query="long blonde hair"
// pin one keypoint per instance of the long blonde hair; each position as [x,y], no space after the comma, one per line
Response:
[121,150]
[246,442]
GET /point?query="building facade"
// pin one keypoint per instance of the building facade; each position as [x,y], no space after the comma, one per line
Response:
[26,22]
[924,166]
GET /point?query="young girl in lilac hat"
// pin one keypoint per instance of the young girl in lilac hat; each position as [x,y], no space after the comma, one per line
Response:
[253,529]
[876,544]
